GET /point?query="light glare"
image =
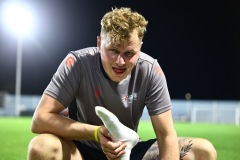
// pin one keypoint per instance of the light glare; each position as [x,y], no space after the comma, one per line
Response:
[17,18]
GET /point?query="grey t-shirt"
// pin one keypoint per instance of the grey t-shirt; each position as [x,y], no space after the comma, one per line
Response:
[81,76]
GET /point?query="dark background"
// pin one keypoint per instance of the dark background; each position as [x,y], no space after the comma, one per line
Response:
[197,43]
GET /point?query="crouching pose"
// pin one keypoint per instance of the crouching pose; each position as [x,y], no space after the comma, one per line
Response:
[120,77]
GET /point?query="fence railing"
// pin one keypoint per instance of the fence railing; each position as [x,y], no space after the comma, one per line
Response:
[194,111]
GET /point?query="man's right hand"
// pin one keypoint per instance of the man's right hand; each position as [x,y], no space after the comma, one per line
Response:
[113,150]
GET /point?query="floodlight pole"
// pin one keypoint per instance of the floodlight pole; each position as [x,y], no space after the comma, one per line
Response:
[18,76]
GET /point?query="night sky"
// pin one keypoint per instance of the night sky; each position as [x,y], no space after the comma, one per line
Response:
[197,43]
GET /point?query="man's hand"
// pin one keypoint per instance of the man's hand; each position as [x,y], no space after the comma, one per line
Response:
[113,150]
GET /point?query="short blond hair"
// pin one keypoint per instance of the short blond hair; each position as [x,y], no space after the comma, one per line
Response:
[120,23]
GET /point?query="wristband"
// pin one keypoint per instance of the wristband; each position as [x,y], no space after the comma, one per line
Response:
[95,134]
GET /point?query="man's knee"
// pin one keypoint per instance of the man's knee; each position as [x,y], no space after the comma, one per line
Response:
[45,146]
[204,150]
[152,153]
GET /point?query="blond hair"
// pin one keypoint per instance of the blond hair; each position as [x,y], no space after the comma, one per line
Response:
[120,23]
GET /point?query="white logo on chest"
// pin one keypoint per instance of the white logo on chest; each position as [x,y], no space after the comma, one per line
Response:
[129,98]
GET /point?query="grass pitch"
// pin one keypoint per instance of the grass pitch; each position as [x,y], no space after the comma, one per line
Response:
[15,135]
[225,138]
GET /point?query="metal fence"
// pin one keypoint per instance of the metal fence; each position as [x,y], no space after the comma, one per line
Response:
[194,111]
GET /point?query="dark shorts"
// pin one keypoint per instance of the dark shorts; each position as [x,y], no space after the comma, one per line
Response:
[137,153]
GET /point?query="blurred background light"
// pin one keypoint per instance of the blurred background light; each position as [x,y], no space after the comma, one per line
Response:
[17,17]
[18,20]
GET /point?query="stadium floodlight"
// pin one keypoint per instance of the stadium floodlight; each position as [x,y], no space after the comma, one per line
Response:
[17,17]
[19,21]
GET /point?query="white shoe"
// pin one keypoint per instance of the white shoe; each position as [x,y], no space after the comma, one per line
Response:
[118,131]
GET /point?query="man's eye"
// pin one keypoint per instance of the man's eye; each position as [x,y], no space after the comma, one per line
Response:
[129,54]
[113,51]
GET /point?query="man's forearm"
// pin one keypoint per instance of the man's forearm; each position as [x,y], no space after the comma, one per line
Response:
[168,148]
[61,126]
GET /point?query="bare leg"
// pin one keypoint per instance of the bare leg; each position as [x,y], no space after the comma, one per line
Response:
[152,153]
[185,148]
[48,146]
[190,149]
[196,149]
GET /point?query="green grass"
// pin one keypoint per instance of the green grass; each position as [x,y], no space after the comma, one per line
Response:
[225,138]
[15,135]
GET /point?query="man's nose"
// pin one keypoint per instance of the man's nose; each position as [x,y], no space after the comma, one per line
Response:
[120,60]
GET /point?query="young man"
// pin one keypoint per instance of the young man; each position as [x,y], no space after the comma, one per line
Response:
[121,78]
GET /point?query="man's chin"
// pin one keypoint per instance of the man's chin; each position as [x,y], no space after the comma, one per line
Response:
[117,78]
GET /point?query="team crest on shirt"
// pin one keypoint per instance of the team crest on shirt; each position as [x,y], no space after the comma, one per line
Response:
[159,70]
[129,98]
[70,61]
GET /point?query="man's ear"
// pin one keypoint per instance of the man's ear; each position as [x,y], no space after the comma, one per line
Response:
[98,43]
[141,44]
